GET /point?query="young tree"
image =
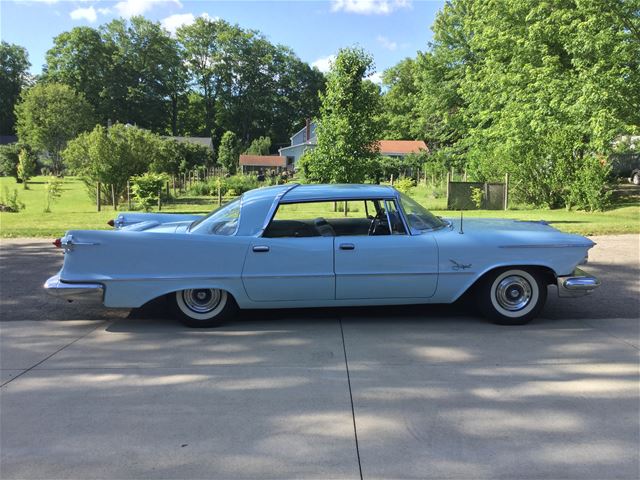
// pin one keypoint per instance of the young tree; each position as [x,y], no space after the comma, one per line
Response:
[348,129]
[26,166]
[50,115]
[112,156]
[14,66]
[228,153]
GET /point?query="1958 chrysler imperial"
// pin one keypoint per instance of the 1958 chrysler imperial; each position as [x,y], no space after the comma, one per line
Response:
[296,245]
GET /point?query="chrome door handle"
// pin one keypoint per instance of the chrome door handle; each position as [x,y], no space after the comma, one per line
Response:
[347,246]
[260,248]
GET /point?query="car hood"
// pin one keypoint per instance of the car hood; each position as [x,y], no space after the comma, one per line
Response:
[518,232]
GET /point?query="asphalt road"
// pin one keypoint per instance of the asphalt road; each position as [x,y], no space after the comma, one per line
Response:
[411,392]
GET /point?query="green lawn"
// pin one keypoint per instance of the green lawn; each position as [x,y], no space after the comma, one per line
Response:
[76,211]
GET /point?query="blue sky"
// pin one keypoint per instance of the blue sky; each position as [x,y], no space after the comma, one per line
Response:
[390,29]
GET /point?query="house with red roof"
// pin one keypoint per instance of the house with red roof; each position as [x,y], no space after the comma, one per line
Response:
[262,163]
[306,139]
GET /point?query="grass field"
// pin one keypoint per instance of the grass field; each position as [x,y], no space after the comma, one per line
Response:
[75,210]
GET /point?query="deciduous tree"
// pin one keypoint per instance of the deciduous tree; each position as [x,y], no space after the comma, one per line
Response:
[49,115]
[14,66]
[112,156]
[228,153]
[348,129]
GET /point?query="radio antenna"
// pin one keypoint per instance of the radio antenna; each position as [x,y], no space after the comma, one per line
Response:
[461,219]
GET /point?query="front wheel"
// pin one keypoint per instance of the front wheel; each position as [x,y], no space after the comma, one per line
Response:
[512,296]
[203,307]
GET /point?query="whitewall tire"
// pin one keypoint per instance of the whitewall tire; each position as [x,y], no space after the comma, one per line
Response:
[512,296]
[203,307]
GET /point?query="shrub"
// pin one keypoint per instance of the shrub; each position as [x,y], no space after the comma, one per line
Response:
[147,188]
[9,201]
[404,185]
[591,188]
[200,189]
[240,184]
[477,196]
[9,160]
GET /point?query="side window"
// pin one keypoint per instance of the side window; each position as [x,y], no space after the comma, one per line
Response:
[330,219]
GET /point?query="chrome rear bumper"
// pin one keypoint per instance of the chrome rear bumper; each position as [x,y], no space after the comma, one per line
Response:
[74,292]
[577,285]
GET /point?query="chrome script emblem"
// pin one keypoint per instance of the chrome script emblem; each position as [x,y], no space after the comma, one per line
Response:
[459,266]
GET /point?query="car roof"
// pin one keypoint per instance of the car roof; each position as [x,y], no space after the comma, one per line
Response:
[319,192]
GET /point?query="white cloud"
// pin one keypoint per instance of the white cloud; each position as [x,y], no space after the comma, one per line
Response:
[386,43]
[89,14]
[104,11]
[324,64]
[376,78]
[173,22]
[131,8]
[369,7]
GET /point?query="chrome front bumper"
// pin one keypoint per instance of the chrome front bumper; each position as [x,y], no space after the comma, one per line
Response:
[577,285]
[74,292]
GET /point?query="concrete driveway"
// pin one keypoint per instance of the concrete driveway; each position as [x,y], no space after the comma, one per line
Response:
[412,392]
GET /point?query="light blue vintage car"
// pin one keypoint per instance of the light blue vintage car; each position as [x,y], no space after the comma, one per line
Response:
[296,245]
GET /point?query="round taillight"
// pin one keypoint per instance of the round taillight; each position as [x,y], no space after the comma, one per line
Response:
[58,243]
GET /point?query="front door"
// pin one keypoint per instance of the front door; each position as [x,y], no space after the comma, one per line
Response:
[287,269]
[386,266]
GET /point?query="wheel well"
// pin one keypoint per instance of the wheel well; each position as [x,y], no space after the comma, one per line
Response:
[546,273]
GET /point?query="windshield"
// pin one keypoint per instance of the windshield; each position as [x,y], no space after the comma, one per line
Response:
[222,221]
[419,217]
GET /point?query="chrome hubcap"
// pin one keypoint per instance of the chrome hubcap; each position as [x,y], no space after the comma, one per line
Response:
[201,300]
[513,293]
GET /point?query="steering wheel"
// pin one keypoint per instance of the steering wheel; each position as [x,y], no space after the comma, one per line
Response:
[376,222]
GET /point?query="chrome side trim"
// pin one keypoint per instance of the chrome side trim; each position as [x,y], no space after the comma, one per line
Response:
[577,285]
[274,207]
[68,243]
[551,245]
[91,292]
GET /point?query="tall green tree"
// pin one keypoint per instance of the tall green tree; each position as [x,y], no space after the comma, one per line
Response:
[83,60]
[49,115]
[130,71]
[401,113]
[536,89]
[14,66]
[348,129]
[202,52]
[149,76]
[229,153]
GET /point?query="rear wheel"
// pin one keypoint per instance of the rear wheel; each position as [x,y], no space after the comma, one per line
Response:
[512,296]
[203,307]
